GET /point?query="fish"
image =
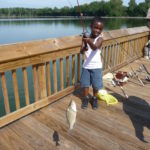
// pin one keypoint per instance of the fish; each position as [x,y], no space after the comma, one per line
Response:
[71,114]
[56,137]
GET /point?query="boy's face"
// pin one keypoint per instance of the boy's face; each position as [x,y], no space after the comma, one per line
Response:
[96,29]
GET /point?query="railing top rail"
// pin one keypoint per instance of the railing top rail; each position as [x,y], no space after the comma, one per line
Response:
[16,51]
[125,32]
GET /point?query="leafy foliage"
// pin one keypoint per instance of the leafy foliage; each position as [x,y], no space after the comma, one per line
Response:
[101,8]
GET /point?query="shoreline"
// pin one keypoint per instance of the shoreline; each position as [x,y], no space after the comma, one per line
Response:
[69,17]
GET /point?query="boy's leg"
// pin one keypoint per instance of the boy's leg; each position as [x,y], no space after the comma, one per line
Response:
[95,92]
[96,78]
[85,101]
[85,83]
[94,101]
[86,91]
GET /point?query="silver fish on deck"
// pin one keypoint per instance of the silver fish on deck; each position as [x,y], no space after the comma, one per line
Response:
[71,114]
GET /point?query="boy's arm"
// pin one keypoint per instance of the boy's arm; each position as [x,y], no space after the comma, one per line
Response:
[93,46]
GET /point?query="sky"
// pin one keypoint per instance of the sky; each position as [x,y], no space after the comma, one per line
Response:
[49,3]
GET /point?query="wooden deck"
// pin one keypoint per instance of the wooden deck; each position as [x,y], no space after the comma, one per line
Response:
[123,126]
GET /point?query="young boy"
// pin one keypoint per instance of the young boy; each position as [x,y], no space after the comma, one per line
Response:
[92,66]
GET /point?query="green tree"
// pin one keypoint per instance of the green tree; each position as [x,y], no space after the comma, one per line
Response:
[147,2]
[131,8]
[141,10]
[65,11]
[116,7]
[96,8]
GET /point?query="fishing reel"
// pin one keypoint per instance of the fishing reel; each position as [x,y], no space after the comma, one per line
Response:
[121,78]
[85,48]
[85,35]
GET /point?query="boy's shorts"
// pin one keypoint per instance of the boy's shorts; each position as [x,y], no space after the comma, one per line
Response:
[91,76]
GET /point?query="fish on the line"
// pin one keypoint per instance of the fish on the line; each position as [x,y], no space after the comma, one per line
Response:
[56,138]
[71,114]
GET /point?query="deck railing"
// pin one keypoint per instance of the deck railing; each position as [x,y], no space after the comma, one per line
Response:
[52,68]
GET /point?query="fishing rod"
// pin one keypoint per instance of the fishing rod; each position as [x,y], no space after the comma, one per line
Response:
[101,54]
[113,81]
[141,65]
[83,33]
[146,69]
[128,63]
[134,72]
[81,15]
[147,77]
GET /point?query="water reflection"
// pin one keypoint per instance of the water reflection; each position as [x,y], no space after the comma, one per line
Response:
[19,30]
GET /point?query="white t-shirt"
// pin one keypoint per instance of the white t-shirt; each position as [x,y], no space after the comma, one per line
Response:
[93,57]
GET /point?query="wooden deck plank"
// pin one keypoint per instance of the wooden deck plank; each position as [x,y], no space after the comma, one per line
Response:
[99,119]
[12,141]
[61,129]
[123,126]
[47,132]
[92,130]
[32,138]
[88,136]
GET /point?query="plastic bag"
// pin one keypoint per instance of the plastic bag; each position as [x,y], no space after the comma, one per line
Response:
[106,97]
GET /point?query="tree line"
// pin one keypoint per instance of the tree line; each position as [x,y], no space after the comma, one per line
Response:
[101,8]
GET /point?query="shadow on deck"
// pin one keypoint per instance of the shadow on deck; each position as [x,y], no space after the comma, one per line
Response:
[122,126]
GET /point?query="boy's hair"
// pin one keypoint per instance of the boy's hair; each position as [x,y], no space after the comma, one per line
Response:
[96,19]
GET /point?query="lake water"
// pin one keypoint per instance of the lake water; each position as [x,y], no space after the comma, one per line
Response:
[20,30]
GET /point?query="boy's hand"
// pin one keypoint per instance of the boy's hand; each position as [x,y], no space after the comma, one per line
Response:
[84,47]
[86,40]
[85,35]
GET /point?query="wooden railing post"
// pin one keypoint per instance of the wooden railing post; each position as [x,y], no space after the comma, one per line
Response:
[61,74]
[78,67]
[48,78]
[105,58]
[26,89]
[35,82]
[16,92]
[55,75]
[73,69]
[5,93]
[67,71]
[42,80]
